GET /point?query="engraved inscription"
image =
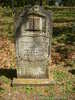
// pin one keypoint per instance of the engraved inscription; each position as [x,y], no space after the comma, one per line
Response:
[32,56]
[33,48]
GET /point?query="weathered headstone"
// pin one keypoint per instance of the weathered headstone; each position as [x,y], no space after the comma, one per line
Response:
[33,46]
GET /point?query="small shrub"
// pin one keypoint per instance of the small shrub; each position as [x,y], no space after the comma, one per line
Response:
[4,79]
[60,76]
[1,90]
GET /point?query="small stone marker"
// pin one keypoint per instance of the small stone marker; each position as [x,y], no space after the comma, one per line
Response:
[33,46]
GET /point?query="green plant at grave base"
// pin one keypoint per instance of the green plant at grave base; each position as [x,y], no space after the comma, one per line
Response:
[4,79]
[65,83]
[51,98]
[68,88]
[29,89]
[14,88]
[2,90]
[60,76]
[51,91]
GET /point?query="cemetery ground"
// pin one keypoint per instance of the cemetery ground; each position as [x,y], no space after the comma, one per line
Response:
[63,59]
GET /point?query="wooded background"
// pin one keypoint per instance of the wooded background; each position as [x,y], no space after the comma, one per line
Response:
[32,2]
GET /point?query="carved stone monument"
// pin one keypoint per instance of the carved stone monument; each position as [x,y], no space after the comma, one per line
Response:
[33,46]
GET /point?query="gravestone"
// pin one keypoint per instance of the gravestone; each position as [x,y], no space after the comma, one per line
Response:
[33,45]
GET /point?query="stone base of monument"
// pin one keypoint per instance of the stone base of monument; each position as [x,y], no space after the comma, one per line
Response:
[22,81]
[34,81]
